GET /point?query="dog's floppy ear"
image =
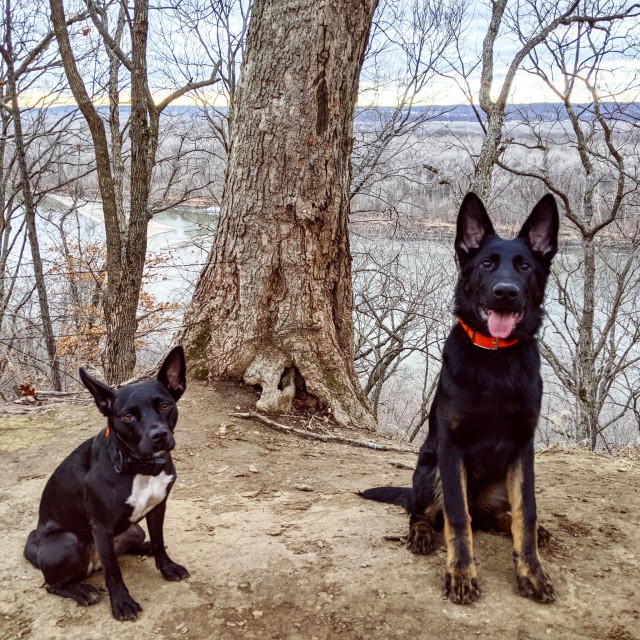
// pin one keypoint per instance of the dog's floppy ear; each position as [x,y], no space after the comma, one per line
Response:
[102,393]
[540,229]
[173,373]
[473,225]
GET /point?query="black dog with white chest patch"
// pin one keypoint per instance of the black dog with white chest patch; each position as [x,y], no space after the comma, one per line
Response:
[92,503]
[476,467]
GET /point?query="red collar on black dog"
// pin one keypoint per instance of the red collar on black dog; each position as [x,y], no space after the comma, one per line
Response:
[486,342]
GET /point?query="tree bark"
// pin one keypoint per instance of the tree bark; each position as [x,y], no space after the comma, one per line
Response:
[273,306]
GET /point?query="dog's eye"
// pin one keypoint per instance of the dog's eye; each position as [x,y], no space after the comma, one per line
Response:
[486,264]
[165,406]
[127,417]
[525,266]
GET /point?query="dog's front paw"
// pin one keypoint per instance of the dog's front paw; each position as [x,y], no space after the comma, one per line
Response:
[174,572]
[421,537]
[534,582]
[461,585]
[124,607]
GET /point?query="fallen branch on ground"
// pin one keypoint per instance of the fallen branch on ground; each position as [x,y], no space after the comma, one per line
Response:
[324,437]
[57,394]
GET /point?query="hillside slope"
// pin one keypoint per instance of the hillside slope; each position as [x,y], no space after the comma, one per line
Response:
[279,546]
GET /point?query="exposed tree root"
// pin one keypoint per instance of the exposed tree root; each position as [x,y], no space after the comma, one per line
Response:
[325,437]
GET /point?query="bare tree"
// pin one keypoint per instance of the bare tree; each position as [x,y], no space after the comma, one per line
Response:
[218,30]
[27,56]
[532,23]
[125,226]
[13,76]
[273,306]
[408,46]
[402,298]
[592,341]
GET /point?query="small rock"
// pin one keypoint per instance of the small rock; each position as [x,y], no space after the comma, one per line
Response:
[257,614]
[253,468]
[303,487]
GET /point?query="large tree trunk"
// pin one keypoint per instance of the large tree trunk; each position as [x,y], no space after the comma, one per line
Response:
[273,305]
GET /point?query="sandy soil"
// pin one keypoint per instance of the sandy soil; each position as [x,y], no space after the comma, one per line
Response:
[279,546]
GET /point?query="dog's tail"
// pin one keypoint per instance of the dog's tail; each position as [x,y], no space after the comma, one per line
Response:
[31,549]
[390,495]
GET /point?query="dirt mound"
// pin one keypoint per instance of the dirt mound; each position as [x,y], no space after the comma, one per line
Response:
[279,546]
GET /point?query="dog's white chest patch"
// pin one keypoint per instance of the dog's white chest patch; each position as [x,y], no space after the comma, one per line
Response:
[147,492]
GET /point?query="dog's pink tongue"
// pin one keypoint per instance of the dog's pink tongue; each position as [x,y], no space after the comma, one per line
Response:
[501,323]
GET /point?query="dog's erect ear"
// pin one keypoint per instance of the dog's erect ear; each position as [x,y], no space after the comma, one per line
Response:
[173,373]
[540,229]
[102,393]
[473,225]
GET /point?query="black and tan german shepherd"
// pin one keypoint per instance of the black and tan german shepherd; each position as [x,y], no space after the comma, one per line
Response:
[476,465]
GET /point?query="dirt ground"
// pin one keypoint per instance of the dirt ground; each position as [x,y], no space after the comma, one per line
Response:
[279,546]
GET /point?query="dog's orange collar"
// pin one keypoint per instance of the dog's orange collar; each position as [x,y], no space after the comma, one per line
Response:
[486,342]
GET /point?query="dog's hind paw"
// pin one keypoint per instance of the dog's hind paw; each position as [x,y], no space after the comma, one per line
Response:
[544,536]
[461,586]
[84,594]
[421,537]
[174,572]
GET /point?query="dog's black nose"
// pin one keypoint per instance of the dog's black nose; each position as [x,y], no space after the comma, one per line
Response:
[159,435]
[506,291]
